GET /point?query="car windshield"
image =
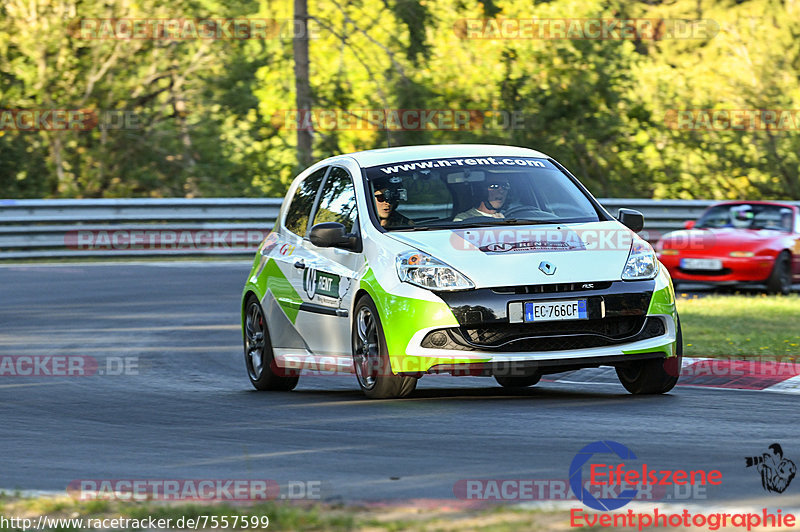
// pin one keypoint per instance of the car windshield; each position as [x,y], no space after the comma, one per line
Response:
[467,192]
[747,216]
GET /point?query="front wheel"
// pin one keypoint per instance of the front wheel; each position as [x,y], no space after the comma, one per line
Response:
[259,358]
[653,376]
[371,356]
[780,280]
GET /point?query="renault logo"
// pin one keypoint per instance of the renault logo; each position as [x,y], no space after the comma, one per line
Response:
[547,268]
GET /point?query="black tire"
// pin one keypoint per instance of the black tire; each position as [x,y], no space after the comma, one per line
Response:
[371,356]
[652,376]
[517,382]
[259,358]
[780,280]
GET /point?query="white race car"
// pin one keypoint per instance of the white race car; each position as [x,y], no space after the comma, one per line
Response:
[465,259]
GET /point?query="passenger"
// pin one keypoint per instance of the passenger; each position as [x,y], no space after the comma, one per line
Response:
[787,218]
[494,195]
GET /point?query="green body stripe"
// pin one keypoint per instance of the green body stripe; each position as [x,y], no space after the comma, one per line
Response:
[273,279]
[662,302]
[401,318]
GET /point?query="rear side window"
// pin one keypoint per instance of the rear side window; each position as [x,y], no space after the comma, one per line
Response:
[337,202]
[299,209]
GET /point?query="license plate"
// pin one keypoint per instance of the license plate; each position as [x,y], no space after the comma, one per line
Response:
[556,310]
[701,264]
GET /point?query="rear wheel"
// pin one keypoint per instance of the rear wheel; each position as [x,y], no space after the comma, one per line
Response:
[653,376]
[371,356]
[259,358]
[517,382]
[780,280]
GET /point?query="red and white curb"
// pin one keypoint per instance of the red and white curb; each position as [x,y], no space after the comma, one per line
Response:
[757,374]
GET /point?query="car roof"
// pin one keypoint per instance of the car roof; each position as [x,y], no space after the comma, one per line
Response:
[400,154]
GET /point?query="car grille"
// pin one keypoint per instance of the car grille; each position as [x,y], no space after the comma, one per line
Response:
[550,288]
[548,336]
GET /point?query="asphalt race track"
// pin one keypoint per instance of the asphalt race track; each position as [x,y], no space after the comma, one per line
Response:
[184,408]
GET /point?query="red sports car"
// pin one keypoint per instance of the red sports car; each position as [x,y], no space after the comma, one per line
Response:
[737,242]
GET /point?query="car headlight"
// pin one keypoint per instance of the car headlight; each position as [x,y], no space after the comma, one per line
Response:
[642,262]
[429,272]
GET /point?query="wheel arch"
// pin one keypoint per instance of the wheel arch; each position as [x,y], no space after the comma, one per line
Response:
[245,296]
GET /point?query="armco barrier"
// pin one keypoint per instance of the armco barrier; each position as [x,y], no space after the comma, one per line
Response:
[53,229]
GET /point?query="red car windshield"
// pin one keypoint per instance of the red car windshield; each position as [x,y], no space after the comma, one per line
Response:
[748,216]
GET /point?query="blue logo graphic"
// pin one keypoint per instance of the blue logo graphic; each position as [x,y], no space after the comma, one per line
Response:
[576,476]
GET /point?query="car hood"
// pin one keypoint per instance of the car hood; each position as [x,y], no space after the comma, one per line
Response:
[512,255]
[724,237]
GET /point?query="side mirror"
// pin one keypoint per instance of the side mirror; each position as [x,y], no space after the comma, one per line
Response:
[688,224]
[332,235]
[633,220]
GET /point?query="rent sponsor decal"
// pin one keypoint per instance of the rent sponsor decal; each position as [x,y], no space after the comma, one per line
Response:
[319,283]
[527,239]
[465,163]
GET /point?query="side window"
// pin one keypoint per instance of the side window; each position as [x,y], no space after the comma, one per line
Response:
[299,209]
[337,203]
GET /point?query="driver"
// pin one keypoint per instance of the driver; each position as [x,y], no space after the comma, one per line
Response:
[741,216]
[493,197]
[387,196]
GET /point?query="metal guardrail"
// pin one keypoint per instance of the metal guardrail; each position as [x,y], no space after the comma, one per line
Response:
[52,229]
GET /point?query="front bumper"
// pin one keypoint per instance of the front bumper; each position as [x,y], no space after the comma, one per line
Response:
[734,269]
[627,320]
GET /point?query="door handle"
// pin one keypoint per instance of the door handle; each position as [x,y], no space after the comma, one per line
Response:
[300,265]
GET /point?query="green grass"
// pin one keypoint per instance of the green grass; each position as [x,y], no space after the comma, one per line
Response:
[741,326]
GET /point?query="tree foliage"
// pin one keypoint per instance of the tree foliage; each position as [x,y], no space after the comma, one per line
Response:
[215,117]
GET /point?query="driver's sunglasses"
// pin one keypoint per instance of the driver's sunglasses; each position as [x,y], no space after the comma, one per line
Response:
[498,186]
[381,198]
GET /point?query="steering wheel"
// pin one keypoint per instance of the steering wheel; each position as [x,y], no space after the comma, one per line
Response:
[527,211]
